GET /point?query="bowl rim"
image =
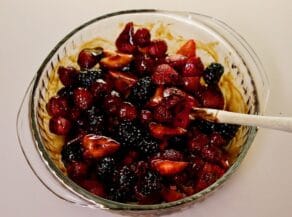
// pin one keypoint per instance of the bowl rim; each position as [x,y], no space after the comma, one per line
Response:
[109,204]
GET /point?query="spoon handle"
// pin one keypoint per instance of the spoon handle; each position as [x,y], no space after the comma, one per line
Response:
[220,116]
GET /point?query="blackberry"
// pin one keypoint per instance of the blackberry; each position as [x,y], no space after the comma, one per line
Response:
[71,153]
[123,189]
[177,142]
[151,183]
[228,131]
[95,121]
[106,167]
[86,78]
[206,127]
[129,134]
[213,73]
[127,178]
[148,145]
[142,91]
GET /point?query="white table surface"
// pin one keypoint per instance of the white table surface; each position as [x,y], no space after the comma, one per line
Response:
[28,31]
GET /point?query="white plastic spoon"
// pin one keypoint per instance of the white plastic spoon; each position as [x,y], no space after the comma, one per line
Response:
[220,116]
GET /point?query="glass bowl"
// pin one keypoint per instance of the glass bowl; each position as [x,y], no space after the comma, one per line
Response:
[228,48]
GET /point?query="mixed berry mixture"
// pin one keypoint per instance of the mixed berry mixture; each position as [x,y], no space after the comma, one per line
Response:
[125,118]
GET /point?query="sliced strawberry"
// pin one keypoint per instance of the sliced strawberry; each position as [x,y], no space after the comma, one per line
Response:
[212,97]
[164,74]
[124,42]
[167,167]
[176,60]
[157,48]
[123,81]
[188,49]
[170,195]
[93,186]
[193,67]
[157,97]
[116,61]
[191,84]
[160,131]
[214,155]
[97,147]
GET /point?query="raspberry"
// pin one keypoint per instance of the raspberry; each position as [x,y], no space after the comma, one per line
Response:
[127,111]
[99,88]
[57,106]
[164,74]
[213,73]
[141,91]
[83,99]
[144,64]
[162,114]
[59,125]
[112,103]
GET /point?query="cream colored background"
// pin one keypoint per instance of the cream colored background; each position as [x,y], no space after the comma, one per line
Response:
[29,30]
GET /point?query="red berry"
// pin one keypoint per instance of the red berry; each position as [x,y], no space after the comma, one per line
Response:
[160,131]
[83,99]
[165,74]
[77,170]
[182,119]
[157,48]
[124,42]
[145,116]
[112,103]
[157,97]
[170,195]
[57,106]
[93,186]
[162,114]
[171,154]
[88,58]
[59,125]
[97,147]
[127,111]
[212,97]
[142,37]
[144,64]
[193,67]
[123,81]
[99,88]
[217,140]
[188,49]
[198,142]
[176,60]
[168,167]
[191,84]
[67,75]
